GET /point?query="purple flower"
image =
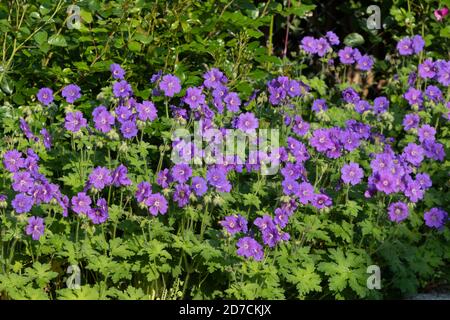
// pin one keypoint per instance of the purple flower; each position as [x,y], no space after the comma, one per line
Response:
[411,121]
[213,78]
[322,46]
[443,74]
[435,218]
[294,89]
[412,77]
[117,71]
[22,181]
[365,63]
[434,150]
[332,38]
[103,120]
[45,96]
[346,55]
[385,183]
[13,161]
[434,94]
[247,122]
[291,171]
[427,69]
[156,204]
[234,224]
[281,217]
[156,76]
[170,84]
[75,121]
[35,227]
[362,106]
[405,47]
[232,101]
[319,105]
[99,214]
[71,93]
[46,139]
[271,236]
[119,176]
[413,153]
[352,173]
[418,43]
[181,172]
[276,95]
[81,203]
[426,133]
[321,201]
[298,149]
[350,95]
[216,176]
[250,248]
[194,97]
[100,177]
[122,89]
[305,192]
[146,111]
[300,126]
[26,129]
[164,178]
[398,211]
[414,191]
[309,44]
[181,194]
[123,113]
[263,223]
[349,139]
[42,192]
[144,190]
[380,105]
[22,203]
[321,140]
[424,180]
[199,186]
[289,186]
[414,97]
[129,129]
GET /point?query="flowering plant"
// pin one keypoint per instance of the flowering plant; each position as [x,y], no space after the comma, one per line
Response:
[113,181]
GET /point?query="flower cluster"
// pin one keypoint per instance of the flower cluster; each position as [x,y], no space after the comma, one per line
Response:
[400,175]
[347,55]
[409,46]
[32,187]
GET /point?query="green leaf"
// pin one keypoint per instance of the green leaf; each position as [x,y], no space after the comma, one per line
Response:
[299,11]
[354,39]
[84,293]
[252,200]
[57,40]
[41,273]
[41,37]
[306,280]
[86,16]
[134,46]
[445,32]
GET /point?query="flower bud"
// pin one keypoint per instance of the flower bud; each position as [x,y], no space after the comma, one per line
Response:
[3,202]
